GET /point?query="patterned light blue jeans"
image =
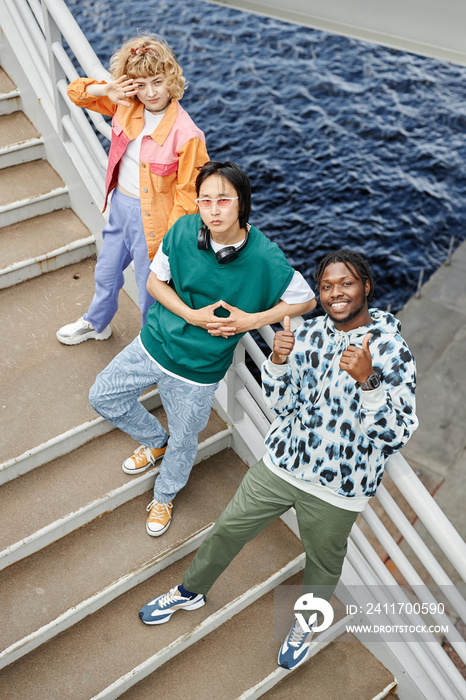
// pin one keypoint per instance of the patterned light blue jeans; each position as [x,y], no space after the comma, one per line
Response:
[115,396]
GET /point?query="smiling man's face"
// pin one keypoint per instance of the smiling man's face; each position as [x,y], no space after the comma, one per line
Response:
[343,296]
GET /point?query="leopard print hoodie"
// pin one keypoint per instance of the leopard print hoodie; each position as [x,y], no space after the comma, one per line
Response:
[327,431]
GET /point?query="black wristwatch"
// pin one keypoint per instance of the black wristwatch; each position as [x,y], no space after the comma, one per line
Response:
[373,382]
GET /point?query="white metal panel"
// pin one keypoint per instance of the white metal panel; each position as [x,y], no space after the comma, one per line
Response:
[428,27]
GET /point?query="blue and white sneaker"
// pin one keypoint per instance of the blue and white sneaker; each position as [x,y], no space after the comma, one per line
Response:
[295,649]
[161,609]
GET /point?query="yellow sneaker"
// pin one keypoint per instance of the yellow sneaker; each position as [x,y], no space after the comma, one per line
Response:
[142,459]
[159,519]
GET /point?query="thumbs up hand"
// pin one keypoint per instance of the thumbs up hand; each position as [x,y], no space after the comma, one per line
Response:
[283,343]
[358,361]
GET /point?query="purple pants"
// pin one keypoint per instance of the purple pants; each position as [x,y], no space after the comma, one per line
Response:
[123,241]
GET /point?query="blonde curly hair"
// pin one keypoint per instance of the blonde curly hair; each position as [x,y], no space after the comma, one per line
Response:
[145,56]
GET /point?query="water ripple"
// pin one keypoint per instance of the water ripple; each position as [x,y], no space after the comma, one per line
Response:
[347,144]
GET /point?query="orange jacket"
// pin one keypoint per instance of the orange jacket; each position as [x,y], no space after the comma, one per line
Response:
[169,158]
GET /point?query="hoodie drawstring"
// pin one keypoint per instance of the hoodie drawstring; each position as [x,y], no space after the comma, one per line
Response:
[341,336]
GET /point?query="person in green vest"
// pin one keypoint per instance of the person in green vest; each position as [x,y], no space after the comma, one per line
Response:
[215,277]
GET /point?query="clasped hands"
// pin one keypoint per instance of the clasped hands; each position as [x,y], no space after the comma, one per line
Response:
[237,322]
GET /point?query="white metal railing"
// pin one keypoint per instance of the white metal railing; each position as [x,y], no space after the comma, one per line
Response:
[443,679]
[45,27]
[412,577]
[426,651]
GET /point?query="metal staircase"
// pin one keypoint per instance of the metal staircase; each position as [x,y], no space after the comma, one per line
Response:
[75,562]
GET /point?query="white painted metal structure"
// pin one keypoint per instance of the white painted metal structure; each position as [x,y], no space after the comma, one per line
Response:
[423,670]
[427,27]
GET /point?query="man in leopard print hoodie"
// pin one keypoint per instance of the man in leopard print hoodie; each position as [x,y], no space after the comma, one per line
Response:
[342,388]
[333,434]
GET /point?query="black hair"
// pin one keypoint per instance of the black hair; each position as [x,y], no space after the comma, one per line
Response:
[348,258]
[236,177]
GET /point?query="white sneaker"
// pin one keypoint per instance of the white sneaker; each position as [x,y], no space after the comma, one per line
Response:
[79,331]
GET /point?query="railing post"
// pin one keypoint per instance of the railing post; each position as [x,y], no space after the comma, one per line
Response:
[52,36]
[234,384]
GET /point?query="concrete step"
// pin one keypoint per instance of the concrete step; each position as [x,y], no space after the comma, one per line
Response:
[10,99]
[35,237]
[30,189]
[99,485]
[239,660]
[20,142]
[57,580]
[112,642]
[344,669]
[44,243]
[45,384]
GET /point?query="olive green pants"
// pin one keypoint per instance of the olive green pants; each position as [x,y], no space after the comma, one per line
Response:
[260,499]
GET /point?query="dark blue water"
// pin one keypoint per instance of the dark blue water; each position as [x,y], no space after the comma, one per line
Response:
[347,144]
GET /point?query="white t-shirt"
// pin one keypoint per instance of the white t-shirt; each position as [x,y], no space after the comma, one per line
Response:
[128,173]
